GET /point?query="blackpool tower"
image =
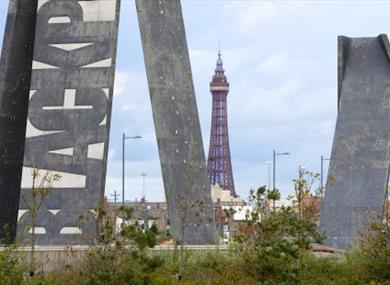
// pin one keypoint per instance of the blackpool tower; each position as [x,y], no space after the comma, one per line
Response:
[219,165]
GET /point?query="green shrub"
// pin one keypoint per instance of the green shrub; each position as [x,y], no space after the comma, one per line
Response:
[12,267]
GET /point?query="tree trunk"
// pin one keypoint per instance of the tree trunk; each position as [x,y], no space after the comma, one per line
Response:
[32,256]
[181,258]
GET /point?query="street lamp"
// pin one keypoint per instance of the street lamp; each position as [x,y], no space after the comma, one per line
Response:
[275,154]
[269,173]
[143,185]
[124,138]
[322,174]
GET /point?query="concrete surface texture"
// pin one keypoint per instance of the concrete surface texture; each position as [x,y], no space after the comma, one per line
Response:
[359,167]
[15,76]
[69,117]
[176,120]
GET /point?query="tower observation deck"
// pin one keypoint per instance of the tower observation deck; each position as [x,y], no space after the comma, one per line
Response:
[219,166]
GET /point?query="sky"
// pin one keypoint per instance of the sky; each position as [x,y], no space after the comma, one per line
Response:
[280,58]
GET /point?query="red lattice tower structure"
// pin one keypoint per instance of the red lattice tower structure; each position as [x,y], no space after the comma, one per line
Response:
[219,165]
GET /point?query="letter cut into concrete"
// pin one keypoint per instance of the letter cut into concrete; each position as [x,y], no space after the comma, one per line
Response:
[69,117]
[359,167]
[15,76]
[176,120]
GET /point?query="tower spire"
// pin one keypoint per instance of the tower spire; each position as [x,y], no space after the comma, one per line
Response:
[219,166]
[219,71]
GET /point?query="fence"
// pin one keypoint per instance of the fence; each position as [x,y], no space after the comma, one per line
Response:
[50,258]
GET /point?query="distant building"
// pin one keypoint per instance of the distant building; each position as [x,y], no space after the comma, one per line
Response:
[283,202]
[310,206]
[145,213]
[224,196]
[230,213]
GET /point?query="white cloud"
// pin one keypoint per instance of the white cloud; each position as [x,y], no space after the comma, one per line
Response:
[122,81]
[325,128]
[273,62]
[250,16]
[255,105]
[111,153]
[131,103]
[284,62]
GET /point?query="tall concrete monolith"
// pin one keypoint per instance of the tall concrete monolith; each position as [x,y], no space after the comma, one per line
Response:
[358,176]
[69,117]
[176,120]
[15,77]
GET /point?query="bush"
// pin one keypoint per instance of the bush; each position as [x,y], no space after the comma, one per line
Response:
[12,268]
[276,251]
[375,251]
[203,267]
[272,245]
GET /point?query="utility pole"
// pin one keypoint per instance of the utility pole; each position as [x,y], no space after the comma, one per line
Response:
[115,195]
[124,138]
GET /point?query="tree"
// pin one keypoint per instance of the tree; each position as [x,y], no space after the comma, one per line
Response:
[306,186]
[40,189]
[273,195]
[229,214]
[218,221]
[258,199]
[12,267]
[186,208]
[190,209]
[375,248]
[119,257]
[274,243]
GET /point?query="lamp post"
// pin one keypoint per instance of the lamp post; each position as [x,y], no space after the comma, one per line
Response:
[322,174]
[143,185]
[275,154]
[269,163]
[124,138]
